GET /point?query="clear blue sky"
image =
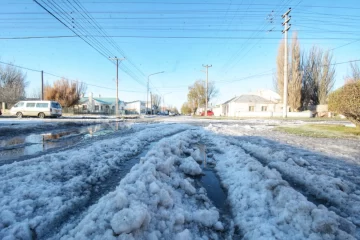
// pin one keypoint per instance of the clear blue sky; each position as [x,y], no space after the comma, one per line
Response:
[238,37]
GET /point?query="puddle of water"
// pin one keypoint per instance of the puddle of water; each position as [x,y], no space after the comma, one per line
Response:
[35,143]
[211,182]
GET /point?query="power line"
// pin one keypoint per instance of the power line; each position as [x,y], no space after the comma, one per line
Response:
[55,75]
[10,64]
[91,39]
[195,3]
[173,37]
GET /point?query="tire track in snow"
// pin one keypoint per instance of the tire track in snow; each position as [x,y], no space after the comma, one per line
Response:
[35,192]
[267,207]
[156,200]
[319,189]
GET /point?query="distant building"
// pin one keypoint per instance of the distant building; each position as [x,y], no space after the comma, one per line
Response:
[135,107]
[100,105]
[262,102]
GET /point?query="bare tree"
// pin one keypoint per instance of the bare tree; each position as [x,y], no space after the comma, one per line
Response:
[197,94]
[354,73]
[312,68]
[326,79]
[156,101]
[67,93]
[36,93]
[295,79]
[12,84]
[319,77]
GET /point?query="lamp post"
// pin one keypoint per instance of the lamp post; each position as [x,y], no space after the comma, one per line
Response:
[147,92]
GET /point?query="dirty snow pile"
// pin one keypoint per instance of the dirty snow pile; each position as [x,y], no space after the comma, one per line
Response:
[37,193]
[156,200]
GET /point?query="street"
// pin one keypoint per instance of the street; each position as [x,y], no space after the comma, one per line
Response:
[175,178]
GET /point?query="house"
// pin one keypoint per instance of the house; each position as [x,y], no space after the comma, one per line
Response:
[261,103]
[135,107]
[99,105]
[268,94]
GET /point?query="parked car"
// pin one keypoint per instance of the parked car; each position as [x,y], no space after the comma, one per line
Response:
[209,113]
[39,109]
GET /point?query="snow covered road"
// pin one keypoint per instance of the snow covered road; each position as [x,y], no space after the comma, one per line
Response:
[151,184]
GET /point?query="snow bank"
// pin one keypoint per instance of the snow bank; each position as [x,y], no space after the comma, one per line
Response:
[36,194]
[156,200]
[265,206]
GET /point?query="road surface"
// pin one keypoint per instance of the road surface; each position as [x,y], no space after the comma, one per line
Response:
[179,179]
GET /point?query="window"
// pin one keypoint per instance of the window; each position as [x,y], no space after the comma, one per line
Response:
[96,107]
[31,105]
[251,108]
[42,105]
[101,107]
[55,105]
[84,107]
[264,108]
[20,104]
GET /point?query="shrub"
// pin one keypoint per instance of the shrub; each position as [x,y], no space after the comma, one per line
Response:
[346,101]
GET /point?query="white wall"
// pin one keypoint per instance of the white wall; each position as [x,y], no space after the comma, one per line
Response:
[306,114]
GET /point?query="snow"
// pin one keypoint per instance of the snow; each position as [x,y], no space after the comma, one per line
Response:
[41,190]
[190,166]
[157,206]
[266,206]
[274,190]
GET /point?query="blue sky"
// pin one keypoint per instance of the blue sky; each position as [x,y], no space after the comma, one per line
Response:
[238,37]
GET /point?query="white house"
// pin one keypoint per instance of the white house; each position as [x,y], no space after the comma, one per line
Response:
[268,94]
[100,105]
[135,107]
[261,103]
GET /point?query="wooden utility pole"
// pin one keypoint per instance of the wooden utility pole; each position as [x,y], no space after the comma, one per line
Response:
[117,84]
[285,31]
[207,87]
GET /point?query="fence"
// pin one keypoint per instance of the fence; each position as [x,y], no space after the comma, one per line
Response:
[80,111]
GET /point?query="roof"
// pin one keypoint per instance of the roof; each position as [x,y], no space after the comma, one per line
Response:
[136,101]
[108,101]
[229,100]
[251,99]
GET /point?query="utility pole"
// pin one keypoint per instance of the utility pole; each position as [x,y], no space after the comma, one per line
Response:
[42,85]
[117,84]
[285,31]
[207,87]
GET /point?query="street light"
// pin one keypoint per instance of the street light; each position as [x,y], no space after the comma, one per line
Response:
[147,93]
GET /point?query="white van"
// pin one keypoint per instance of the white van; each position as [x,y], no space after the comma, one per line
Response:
[40,109]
